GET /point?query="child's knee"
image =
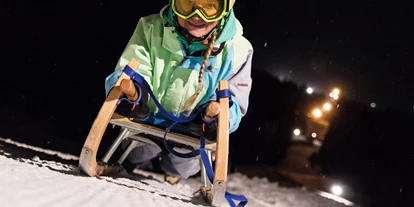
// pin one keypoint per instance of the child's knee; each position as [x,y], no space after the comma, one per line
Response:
[182,167]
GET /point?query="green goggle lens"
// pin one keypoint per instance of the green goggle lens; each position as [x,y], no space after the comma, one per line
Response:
[208,10]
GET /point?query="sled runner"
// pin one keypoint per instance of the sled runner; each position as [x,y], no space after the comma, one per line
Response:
[213,179]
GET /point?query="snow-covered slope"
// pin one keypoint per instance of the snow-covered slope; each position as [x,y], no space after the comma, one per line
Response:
[31,176]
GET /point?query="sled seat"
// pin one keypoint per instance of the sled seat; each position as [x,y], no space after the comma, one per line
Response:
[141,134]
[142,129]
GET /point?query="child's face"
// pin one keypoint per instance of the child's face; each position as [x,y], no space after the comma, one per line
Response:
[196,26]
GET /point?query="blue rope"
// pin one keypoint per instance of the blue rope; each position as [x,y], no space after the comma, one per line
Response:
[230,197]
[172,151]
[202,151]
[132,102]
[137,77]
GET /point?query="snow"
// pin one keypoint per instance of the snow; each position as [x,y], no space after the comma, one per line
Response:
[32,176]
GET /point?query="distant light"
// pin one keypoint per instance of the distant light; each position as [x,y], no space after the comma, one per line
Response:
[317,143]
[327,106]
[337,190]
[336,91]
[334,96]
[309,90]
[296,132]
[317,113]
[314,135]
[373,105]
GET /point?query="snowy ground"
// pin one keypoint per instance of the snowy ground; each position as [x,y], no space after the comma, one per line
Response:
[31,176]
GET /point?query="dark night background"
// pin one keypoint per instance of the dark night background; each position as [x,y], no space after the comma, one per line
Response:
[56,56]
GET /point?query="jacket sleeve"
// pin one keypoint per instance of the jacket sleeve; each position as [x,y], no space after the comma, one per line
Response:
[240,85]
[138,48]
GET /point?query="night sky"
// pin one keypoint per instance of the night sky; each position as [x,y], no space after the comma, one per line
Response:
[364,48]
[56,56]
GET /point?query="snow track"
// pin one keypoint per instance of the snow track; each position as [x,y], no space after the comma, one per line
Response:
[36,178]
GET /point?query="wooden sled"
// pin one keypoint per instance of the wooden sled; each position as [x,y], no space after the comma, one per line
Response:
[137,133]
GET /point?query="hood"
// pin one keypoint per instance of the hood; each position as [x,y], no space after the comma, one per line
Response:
[232,27]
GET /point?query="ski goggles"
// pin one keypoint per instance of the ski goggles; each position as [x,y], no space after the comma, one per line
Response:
[208,10]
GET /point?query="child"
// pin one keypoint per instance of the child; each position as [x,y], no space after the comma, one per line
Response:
[184,51]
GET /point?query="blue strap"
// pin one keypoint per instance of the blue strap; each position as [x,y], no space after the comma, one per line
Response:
[202,151]
[132,102]
[230,197]
[172,151]
[137,77]
[224,93]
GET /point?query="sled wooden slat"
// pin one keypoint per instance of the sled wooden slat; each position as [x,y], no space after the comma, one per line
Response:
[87,161]
[122,121]
[222,150]
[222,137]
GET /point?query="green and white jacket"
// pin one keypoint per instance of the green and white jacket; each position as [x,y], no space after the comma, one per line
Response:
[173,74]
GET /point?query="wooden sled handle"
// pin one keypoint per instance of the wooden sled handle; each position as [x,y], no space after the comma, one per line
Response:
[222,151]
[87,160]
[128,88]
[222,148]
[212,110]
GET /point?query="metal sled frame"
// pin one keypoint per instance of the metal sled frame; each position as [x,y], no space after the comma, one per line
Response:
[137,133]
